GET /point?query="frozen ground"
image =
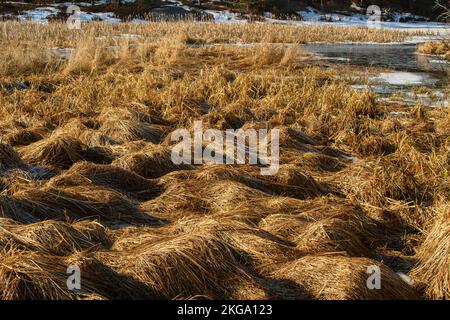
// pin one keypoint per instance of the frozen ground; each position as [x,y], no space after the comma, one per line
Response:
[313,16]
[400,56]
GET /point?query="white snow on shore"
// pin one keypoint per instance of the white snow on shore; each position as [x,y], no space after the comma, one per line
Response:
[225,17]
[42,15]
[309,16]
[403,78]
[39,15]
[95,16]
[315,17]
[174,3]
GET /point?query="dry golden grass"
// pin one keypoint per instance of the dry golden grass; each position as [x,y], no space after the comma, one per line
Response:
[438,48]
[433,268]
[86,176]
[56,34]
[339,278]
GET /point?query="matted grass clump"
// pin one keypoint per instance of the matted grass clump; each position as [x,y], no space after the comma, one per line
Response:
[62,151]
[53,237]
[200,265]
[31,275]
[72,203]
[37,276]
[433,268]
[124,181]
[335,277]
[152,162]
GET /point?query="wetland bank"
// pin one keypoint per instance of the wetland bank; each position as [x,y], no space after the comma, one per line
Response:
[86,175]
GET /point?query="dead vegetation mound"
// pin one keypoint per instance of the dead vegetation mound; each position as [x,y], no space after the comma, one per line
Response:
[377,181]
[36,276]
[121,180]
[289,181]
[86,130]
[151,162]
[126,125]
[62,151]
[259,250]
[32,275]
[200,265]
[329,225]
[74,203]
[53,237]
[125,131]
[432,270]
[329,277]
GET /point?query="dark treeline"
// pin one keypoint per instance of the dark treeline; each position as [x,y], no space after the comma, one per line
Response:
[420,7]
[428,8]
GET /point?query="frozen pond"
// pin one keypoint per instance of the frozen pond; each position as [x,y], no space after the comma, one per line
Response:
[396,56]
[413,79]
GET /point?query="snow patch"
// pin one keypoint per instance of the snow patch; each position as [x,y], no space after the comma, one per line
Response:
[400,21]
[39,15]
[401,78]
[95,16]
[225,16]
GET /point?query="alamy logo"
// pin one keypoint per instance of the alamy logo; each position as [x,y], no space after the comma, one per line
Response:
[374,280]
[231,147]
[74,280]
[373,17]
[74,21]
